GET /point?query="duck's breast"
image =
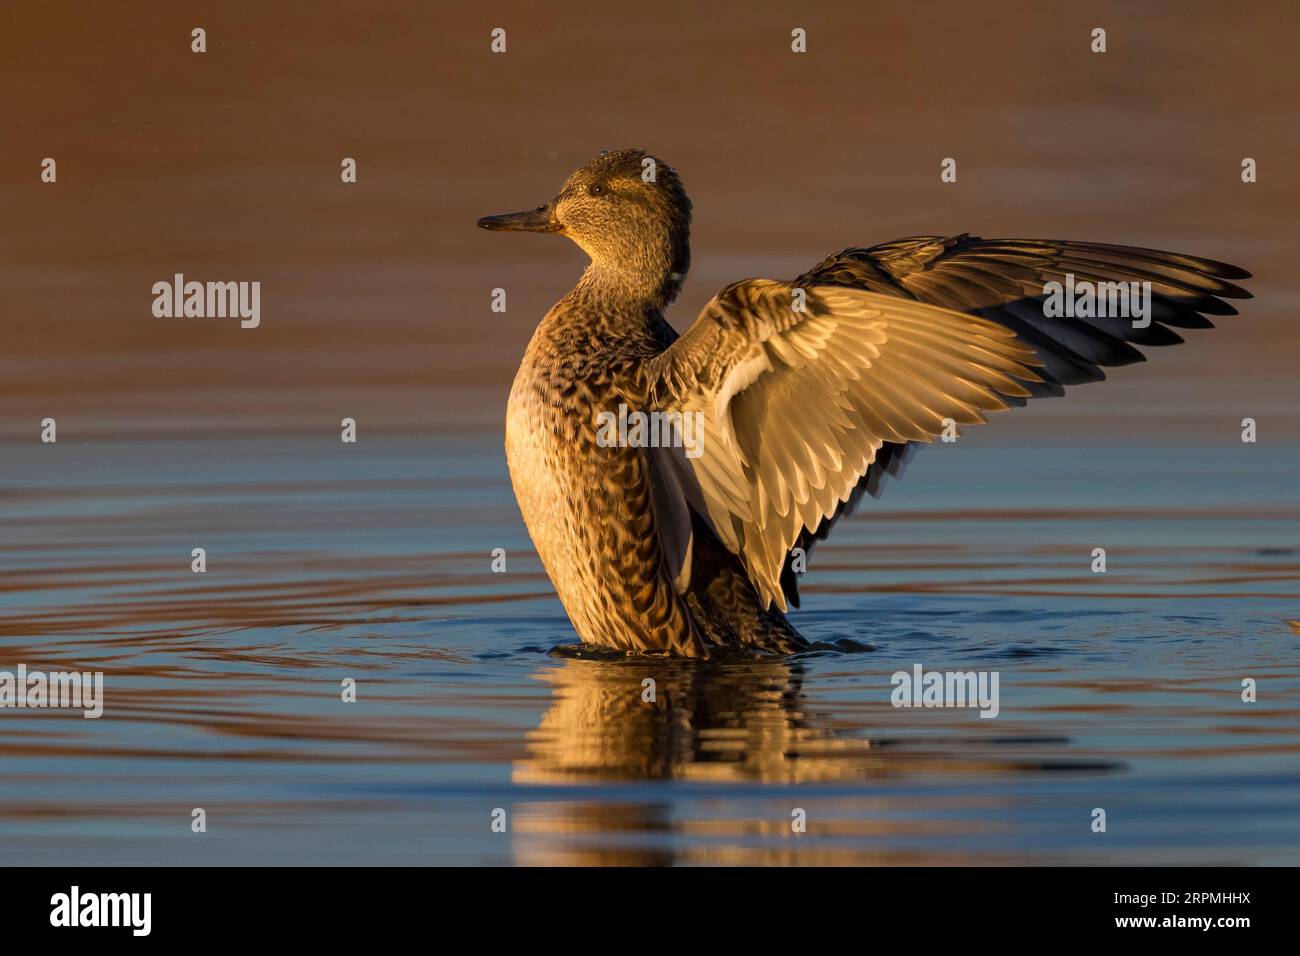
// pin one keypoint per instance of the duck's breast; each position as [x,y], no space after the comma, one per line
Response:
[588,510]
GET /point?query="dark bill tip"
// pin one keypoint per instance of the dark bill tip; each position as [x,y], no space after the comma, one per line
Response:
[541,219]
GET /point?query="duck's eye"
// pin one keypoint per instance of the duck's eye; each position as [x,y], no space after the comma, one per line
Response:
[595,189]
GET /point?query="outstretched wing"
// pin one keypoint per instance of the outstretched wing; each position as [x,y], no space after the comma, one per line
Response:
[807,412]
[1003,280]
[797,388]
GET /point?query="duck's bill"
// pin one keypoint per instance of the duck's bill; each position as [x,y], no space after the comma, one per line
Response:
[541,219]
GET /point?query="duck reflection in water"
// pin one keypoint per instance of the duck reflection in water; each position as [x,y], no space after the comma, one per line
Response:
[653,719]
[656,720]
[746,726]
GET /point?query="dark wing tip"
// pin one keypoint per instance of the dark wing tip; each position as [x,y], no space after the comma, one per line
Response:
[1227,271]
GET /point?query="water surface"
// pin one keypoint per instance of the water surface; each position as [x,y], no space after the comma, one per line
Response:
[372,561]
[328,561]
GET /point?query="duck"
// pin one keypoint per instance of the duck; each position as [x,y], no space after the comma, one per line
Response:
[809,393]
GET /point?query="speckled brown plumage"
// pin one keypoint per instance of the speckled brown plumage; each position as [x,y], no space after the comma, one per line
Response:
[810,392]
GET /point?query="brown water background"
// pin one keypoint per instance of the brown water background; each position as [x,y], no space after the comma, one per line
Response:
[370,561]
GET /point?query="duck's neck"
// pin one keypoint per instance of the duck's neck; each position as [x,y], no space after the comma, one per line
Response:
[606,316]
[645,276]
[617,290]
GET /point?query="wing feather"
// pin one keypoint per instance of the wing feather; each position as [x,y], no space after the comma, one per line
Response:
[806,410]
[784,448]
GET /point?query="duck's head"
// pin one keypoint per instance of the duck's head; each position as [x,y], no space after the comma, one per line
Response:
[628,211]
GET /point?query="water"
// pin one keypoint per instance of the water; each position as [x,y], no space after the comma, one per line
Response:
[371,562]
[328,561]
